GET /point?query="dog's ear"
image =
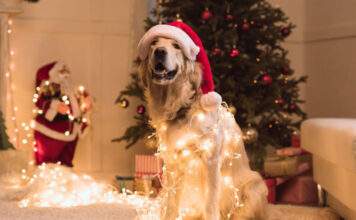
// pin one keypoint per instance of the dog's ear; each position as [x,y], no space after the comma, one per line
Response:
[143,73]
[195,75]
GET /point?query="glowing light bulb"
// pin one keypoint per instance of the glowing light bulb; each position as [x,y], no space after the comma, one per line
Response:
[163,127]
[34,100]
[47,83]
[180,143]
[81,88]
[36,95]
[7,74]
[10,22]
[66,133]
[201,116]
[38,89]
[13,118]
[84,120]
[207,145]
[24,141]
[9,31]
[16,108]
[186,153]
[16,130]
[12,52]
[27,128]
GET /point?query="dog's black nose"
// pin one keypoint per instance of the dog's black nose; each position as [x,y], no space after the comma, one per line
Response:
[160,52]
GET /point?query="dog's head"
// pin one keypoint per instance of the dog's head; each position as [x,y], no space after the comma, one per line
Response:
[165,62]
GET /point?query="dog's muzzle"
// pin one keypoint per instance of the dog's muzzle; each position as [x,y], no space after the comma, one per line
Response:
[161,73]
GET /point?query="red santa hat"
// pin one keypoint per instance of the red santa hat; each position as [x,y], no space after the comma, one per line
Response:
[49,73]
[192,48]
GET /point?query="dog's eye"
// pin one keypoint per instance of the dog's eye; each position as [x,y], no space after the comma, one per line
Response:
[176,46]
[154,42]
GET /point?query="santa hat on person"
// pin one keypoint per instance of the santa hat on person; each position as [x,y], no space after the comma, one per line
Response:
[192,48]
[49,73]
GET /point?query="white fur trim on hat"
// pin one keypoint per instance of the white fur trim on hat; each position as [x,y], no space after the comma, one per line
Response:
[54,72]
[210,101]
[185,42]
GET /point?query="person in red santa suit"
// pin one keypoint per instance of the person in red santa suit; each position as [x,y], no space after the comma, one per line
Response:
[62,115]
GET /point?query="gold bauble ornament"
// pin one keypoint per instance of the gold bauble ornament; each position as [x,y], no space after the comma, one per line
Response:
[249,135]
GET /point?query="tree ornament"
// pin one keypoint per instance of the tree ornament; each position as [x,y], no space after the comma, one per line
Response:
[228,17]
[141,109]
[206,15]
[178,18]
[234,52]
[280,101]
[245,26]
[216,51]
[124,103]
[285,31]
[292,108]
[267,79]
[249,134]
[285,70]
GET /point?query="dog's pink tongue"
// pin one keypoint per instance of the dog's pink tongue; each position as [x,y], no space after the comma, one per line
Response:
[160,72]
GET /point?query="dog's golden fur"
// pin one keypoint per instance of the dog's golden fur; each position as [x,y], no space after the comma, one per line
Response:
[173,106]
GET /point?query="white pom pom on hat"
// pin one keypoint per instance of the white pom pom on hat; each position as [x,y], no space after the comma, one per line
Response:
[193,49]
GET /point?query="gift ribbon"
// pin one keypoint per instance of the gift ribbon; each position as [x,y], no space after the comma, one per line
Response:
[123,179]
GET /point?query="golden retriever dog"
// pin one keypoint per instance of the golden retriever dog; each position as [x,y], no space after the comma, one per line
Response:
[206,169]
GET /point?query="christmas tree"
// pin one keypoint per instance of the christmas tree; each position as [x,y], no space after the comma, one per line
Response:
[250,67]
[4,139]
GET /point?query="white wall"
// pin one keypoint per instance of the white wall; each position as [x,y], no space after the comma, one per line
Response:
[330,58]
[97,39]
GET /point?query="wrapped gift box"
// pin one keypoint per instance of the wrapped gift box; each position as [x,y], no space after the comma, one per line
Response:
[271,185]
[148,174]
[298,190]
[278,166]
[286,166]
[125,183]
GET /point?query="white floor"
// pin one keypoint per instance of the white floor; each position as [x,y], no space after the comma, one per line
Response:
[10,210]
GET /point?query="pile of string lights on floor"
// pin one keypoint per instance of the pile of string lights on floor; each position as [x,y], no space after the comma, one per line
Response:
[54,185]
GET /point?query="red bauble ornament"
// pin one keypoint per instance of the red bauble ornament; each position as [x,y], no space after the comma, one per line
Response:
[234,52]
[141,109]
[228,17]
[280,101]
[245,26]
[267,79]
[206,15]
[285,70]
[291,108]
[285,31]
[216,51]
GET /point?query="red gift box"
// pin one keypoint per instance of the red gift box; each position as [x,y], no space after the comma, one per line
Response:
[271,185]
[295,142]
[298,190]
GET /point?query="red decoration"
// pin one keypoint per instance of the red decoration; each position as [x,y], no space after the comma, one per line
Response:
[245,26]
[292,108]
[141,109]
[206,15]
[234,52]
[285,70]
[271,184]
[216,51]
[228,17]
[267,79]
[280,101]
[285,31]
